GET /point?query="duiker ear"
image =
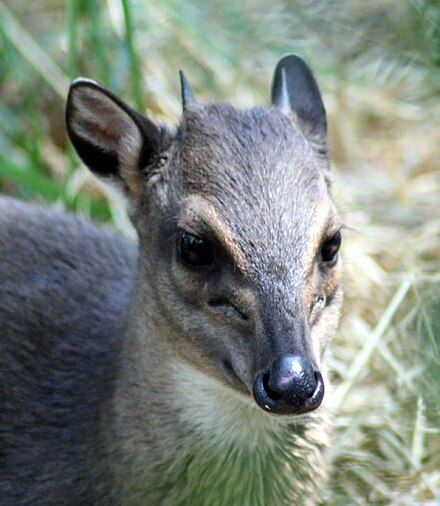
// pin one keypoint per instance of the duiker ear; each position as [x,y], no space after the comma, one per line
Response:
[294,89]
[112,139]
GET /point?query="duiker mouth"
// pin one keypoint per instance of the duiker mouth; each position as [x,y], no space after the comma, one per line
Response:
[233,378]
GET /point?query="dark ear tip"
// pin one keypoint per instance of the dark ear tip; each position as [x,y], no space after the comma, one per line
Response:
[292,61]
[76,85]
[81,82]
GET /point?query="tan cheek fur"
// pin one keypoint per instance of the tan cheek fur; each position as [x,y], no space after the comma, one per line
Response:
[317,283]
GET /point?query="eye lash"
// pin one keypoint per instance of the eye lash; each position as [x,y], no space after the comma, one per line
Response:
[335,231]
[197,231]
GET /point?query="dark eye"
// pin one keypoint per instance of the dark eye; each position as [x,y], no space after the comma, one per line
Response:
[194,250]
[330,249]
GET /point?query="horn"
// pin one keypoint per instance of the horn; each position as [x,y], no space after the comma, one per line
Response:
[187,95]
[280,95]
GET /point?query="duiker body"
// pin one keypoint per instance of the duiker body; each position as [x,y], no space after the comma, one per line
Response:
[188,369]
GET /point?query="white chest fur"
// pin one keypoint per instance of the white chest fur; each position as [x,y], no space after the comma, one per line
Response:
[220,416]
[235,454]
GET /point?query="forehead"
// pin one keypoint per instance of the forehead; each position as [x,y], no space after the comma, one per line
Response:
[224,152]
[259,174]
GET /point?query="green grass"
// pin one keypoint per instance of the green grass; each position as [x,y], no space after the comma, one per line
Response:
[378,64]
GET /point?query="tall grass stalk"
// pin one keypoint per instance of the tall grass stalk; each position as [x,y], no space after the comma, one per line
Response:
[362,358]
[40,61]
[134,64]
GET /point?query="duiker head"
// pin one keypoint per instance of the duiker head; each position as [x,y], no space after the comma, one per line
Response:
[238,233]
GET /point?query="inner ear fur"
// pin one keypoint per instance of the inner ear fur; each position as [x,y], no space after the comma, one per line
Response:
[111,138]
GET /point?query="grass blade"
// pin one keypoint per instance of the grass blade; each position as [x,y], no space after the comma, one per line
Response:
[37,58]
[370,346]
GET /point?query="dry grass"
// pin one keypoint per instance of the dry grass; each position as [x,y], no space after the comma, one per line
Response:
[378,65]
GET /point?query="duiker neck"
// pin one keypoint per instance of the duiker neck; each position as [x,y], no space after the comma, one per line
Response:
[211,445]
[236,454]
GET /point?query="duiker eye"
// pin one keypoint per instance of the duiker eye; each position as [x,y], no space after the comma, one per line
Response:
[193,250]
[330,249]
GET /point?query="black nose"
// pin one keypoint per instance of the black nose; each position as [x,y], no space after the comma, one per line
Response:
[289,386]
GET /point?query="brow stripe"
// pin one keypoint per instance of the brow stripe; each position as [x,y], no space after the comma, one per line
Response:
[196,210]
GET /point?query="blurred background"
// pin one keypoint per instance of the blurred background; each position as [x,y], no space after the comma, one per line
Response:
[378,66]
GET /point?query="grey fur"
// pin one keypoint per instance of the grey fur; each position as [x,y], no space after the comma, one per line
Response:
[104,345]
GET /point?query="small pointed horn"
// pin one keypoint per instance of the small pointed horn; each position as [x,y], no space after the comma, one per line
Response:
[280,95]
[187,95]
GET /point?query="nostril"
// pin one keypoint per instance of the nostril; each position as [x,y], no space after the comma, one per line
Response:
[317,394]
[311,387]
[273,394]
